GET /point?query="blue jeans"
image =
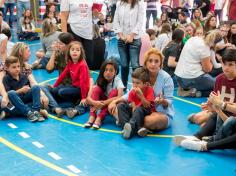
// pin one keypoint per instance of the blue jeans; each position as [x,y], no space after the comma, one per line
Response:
[225,129]
[204,83]
[68,93]
[52,102]
[44,62]
[129,53]
[19,100]
[20,7]
[148,15]
[9,6]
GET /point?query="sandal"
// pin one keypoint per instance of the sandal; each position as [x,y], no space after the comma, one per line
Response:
[96,126]
[88,125]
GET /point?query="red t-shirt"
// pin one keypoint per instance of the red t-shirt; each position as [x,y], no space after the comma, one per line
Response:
[148,93]
[79,74]
[226,87]
[232,9]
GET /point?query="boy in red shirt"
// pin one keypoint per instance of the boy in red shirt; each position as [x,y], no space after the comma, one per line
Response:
[140,104]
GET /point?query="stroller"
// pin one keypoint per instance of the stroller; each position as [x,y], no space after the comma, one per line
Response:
[173,12]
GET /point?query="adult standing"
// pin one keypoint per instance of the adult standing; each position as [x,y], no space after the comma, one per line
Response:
[128,24]
[9,5]
[231,10]
[151,10]
[21,6]
[76,18]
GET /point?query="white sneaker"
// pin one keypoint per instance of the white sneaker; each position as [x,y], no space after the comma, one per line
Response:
[127,131]
[194,145]
[2,115]
[179,138]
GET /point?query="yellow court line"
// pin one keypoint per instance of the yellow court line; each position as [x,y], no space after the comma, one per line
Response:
[115,131]
[35,158]
[103,129]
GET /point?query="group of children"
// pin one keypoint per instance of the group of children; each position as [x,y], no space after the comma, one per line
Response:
[108,87]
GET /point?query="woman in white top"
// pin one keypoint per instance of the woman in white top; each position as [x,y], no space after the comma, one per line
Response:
[195,64]
[76,18]
[128,24]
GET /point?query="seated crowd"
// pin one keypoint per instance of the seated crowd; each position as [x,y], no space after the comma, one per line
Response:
[196,55]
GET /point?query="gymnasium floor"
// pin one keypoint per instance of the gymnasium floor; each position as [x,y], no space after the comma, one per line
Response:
[63,147]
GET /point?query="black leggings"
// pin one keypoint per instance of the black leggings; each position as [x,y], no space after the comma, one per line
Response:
[208,130]
[87,45]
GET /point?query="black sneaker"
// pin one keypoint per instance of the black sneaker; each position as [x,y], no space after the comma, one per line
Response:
[31,116]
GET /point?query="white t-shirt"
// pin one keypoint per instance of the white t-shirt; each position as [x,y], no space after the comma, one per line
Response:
[2,37]
[80,16]
[219,4]
[189,64]
[116,84]
[9,47]
[162,40]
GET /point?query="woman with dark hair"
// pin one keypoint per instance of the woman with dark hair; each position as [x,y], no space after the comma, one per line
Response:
[128,24]
[232,34]
[210,24]
[172,52]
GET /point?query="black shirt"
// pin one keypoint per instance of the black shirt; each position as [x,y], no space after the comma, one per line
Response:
[11,83]
[172,49]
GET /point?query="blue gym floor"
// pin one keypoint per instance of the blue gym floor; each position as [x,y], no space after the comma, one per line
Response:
[63,147]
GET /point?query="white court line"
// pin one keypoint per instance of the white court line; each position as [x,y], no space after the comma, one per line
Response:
[24,135]
[12,125]
[73,169]
[37,144]
[54,156]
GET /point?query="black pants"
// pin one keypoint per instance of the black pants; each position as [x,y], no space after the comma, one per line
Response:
[209,130]
[136,118]
[87,45]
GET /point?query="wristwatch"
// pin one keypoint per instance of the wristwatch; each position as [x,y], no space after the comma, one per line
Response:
[223,106]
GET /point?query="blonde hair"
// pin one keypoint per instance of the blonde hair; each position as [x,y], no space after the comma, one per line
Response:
[48,27]
[211,37]
[150,52]
[18,50]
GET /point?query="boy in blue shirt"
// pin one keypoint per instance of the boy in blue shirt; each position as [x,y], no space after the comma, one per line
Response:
[19,91]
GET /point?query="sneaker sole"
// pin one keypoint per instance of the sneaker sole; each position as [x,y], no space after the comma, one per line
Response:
[143,133]
[127,131]
[178,139]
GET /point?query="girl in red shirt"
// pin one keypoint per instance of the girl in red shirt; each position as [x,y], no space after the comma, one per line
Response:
[78,71]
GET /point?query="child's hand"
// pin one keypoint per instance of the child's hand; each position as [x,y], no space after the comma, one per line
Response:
[25,89]
[159,99]
[112,108]
[133,108]
[83,102]
[98,105]
[138,92]
[44,101]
